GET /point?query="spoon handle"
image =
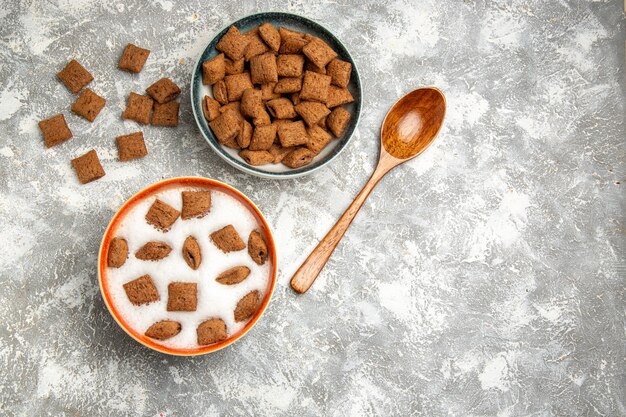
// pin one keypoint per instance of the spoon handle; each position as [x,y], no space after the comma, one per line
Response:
[313,265]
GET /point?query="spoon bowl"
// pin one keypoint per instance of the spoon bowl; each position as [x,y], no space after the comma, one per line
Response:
[410,126]
[413,122]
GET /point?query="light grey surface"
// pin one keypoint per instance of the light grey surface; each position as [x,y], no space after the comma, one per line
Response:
[485,278]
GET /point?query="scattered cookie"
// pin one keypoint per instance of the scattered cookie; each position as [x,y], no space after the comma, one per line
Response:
[163,90]
[141,290]
[161,215]
[131,146]
[165,114]
[153,251]
[164,329]
[138,108]
[247,306]
[88,167]
[227,239]
[133,58]
[233,276]
[55,130]
[182,296]
[88,105]
[75,76]
[211,331]
[118,252]
[195,204]
[191,253]
[257,248]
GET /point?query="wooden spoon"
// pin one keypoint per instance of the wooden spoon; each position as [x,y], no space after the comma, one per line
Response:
[409,127]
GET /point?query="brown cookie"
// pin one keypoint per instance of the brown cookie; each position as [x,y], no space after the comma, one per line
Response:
[315,86]
[211,331]
[165,114]
[257,248]
[263,69]
[312,111]
[281,108]
[339,72]
[292,134]
[290,65]
[163,90]
[299,157]
[164,329]
[138,108]
[182,296]
[131,146]
[338,120]
[210,108]
[88,167]
[195,204]
[318,52]
[278,152]
[219,92]
[234,67]
[153,251]
[256,157]
[118,252]
[318,139]
[288,85]
[236,84]
[270,35]
[55,130]
[75,76]
[226,127]
[88,105]
[227,239]
[233,43]
[161,215]
[191,253]
[262,138]
[247,306]
[233,275]
[141,290]
[213,70]
[338,96]
[133,58]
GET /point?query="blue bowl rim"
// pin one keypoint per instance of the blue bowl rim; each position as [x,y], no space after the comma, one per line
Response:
[250,169]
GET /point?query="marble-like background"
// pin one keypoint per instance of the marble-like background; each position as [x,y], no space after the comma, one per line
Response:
[485,278]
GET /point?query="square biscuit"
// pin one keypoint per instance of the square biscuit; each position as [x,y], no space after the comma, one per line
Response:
[226,127]
[138,108]
[141,290]
[227,239]
[213,70]
[163,90]
[262,138]
[288,85]
[75,76]
[233,67]
[210,108]
[270,35]
[88,105]
[281,108]
[88,167]
[131,146]
[318,139]
[55,130]
[339,72]
[291,42]
[195,204]
[165,114]
[233,44]
[290,65]
[292,134]
[161,215]
[315,86]
[182,296]
[312,111]
[338,96]
[133,58]
[256,157]
[236,84]
[338,120]
[263,69]
[319,53]
[256,46]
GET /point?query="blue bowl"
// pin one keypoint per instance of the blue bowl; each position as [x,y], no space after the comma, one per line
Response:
[300,24]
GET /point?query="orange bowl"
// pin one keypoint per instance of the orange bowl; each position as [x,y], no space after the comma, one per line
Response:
[145,193]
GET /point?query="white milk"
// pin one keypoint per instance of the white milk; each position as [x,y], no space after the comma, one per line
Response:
[214,300]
